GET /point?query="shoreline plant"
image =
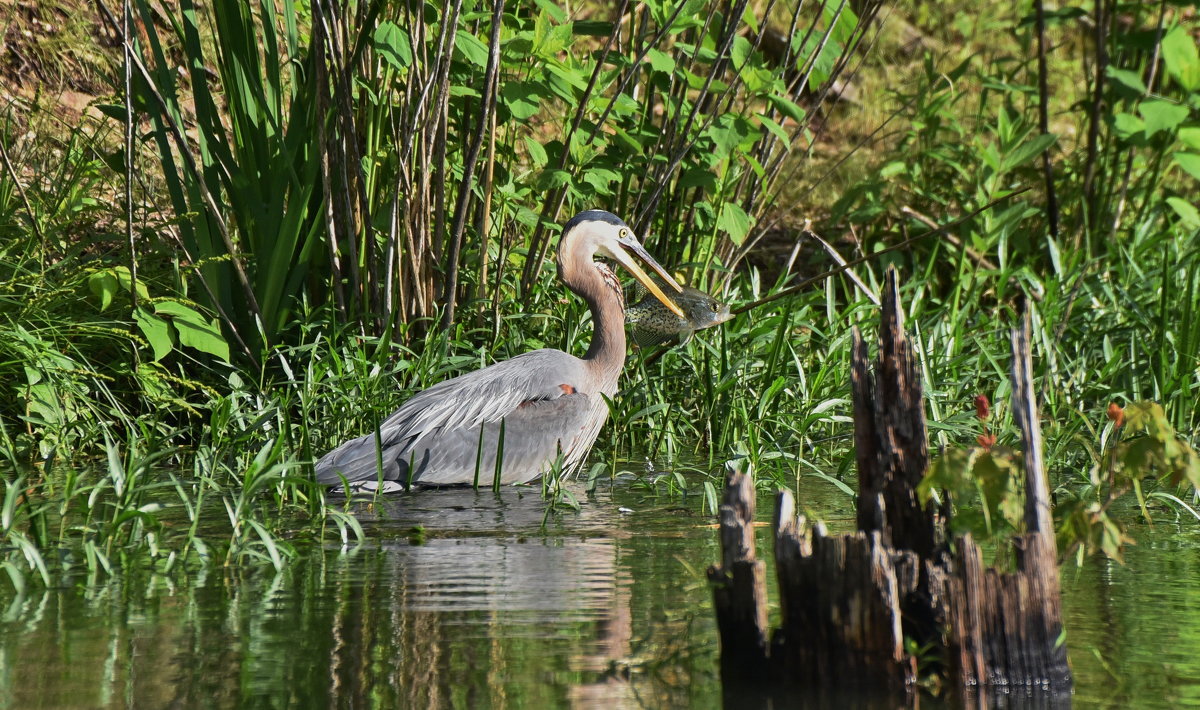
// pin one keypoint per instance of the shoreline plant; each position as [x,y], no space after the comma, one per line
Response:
[336,206]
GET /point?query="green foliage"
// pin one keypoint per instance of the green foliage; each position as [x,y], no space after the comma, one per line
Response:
[250,181]
[1158,451]
[366,168]
[985,484]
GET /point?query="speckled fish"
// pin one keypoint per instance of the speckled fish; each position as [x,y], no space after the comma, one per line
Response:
[652,323]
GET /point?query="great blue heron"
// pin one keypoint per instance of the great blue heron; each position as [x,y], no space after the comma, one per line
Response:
[536,407]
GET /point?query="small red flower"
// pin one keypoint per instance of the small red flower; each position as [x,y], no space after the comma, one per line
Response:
[983,408]
[1116,414]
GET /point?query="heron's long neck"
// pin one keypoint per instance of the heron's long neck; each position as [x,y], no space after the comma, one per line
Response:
[598,285]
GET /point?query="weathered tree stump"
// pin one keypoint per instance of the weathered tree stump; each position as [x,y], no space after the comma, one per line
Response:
[740,587]
[849,602]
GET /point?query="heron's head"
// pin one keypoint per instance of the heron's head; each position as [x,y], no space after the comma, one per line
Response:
[598,232]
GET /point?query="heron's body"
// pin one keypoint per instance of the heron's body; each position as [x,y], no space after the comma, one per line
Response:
[531,409]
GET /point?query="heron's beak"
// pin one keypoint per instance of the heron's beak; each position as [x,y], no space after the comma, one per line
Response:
[631,265]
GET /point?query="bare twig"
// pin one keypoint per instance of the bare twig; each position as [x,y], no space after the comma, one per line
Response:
[472,157]
[837,258]
[972,254]
[1044,120]
[942,230]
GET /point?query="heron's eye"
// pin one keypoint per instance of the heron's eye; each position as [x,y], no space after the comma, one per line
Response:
[624,234]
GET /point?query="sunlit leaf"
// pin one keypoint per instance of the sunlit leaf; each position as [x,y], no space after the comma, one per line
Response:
[787,107]
[1128,126]
[739,52]
[660,61]
[521,98]
[1187,211]
[536,152]
[104,286]
[1182,60]
[734,221]
[392,43]
[156,330]
[1190,162]
[1027,151]
[1130,80]
[471,49]
[1161,115]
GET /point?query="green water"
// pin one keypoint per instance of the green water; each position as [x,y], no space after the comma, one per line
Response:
[604,608]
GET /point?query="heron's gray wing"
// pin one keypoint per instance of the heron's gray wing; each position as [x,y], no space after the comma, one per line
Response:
[486,395]
[532,438]
[460,404]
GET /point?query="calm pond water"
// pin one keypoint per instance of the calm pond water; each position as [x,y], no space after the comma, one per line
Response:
[604,608]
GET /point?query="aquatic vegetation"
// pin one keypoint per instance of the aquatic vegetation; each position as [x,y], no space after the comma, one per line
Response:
[152,415]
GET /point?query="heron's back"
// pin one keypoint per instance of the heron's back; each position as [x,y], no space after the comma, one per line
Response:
[536,410]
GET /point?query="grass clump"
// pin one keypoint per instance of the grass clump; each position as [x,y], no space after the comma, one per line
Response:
[336,207]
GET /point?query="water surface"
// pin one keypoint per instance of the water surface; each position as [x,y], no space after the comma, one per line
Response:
[487,607]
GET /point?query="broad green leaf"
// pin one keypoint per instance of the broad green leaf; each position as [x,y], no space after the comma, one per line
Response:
[104,286]
[571,77]
[1182,60]
[1128,79]
[660,61]
[1187,211]
[156,330]
[471,49]
[178,310]
[536,152]
[549,39]
[521,98]
[787,107]
[193,329]
[204,336]
[776,130]
[1190,162]
[1189,136]
[126,279]
[698,177]
[1027,151]
[392,43]
[754,165]
[750,19]
[740,51]
[734,221]
[553,9]
[600,179]
[553,179]
[724,138]
[1128,126]
[1161,115]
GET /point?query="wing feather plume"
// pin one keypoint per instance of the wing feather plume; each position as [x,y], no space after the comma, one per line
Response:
[437,431]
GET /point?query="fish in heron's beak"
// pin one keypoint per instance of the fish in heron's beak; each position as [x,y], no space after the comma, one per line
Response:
[632,247]
[652,324]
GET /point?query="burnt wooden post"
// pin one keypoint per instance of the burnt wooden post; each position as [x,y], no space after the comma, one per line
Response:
[890,440]
[840,602]
[1006,627]
[739,586]
[849,602]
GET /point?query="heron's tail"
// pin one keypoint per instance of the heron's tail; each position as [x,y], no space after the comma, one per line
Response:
[357,460]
